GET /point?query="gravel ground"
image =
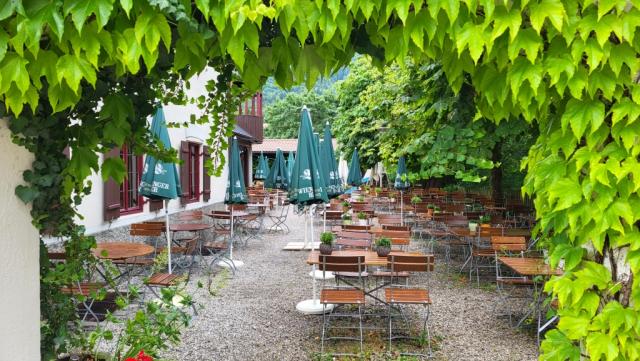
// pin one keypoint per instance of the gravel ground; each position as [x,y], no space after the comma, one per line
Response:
[253,315]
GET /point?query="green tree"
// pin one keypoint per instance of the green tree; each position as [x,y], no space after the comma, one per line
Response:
[282,118]
[569,67]
[411,110]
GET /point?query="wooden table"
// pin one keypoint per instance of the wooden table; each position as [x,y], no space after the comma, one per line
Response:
[371,258]
[124,255]
[189,227]
[122,250]
[531,267]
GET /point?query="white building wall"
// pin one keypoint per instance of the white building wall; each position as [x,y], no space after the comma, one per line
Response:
[19,260]
[92,207]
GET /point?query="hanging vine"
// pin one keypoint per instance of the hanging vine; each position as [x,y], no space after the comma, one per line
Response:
[570,67]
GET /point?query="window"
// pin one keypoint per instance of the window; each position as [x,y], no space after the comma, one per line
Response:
[130,199]
[190,172]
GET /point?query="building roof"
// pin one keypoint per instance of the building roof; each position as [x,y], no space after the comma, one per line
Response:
[243,134]
[286,145]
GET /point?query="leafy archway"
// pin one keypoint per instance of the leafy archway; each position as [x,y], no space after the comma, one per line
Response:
[569,66]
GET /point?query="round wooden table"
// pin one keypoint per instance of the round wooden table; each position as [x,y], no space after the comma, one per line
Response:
[122,250]
[189,227]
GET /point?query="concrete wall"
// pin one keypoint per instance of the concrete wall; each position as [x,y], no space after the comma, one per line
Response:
[92,205]
[19,272]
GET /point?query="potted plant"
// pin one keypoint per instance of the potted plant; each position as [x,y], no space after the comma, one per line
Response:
[473,226]
[383,247]
[362,218]
[436,209]
[430,208]
[326,243]
[415,200]
[378,191]
[346,218]
[345,206]
[485,221]
[360,199]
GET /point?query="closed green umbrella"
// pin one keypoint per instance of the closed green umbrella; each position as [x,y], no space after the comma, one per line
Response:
[262,169]
[307,188]
[329,165]
[355,174]
[277,177]
[401,183]
[160,179]
[290,162]
[236,192]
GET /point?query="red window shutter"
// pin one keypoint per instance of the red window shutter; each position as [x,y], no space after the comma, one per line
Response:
[155,204]
[184,172]
[111,192]
[206,178]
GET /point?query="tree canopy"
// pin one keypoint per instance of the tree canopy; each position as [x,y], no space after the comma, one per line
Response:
[411,110]
[282,118]
[570,67]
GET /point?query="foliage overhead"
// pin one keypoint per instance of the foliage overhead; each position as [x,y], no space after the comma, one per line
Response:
[411,110]
[282,118]
[569,66]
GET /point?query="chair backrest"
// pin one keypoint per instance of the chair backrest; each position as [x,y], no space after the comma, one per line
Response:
[342,264]
[353,234]
[356,227]
[393,234]
[190,245]
[410,263]
[508,244]
[388,227]
[195,215]
[151,229]
[488,232]
[396,241]
[353,239]
[389,219]
[333,215]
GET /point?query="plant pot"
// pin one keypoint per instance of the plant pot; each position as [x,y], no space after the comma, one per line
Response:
[383,251]
[430,211]
[485,225]
[326,249]
[346,222]
[362,222]
[473,227]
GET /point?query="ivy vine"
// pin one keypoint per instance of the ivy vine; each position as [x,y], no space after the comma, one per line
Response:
[569,67]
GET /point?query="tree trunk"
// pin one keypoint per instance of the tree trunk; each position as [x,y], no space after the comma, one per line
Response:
[496,174]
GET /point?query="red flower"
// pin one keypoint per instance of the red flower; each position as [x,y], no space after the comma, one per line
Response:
[141,357]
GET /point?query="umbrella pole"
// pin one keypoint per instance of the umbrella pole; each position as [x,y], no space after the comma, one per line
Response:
[324,219]
[312,230]
[401,208]
[167,232]
[313,270]
[231,234]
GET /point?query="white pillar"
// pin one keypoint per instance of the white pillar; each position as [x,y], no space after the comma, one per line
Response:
[19,252]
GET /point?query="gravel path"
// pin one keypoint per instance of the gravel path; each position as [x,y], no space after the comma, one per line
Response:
[253,316]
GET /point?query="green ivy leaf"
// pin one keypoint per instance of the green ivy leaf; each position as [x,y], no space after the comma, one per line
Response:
[552,9]
[567,191]
[26,194]
[580,114]
[113,167]
[599,344]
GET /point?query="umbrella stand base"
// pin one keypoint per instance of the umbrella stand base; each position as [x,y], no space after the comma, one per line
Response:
[313,307]
[226,263]
[317,274]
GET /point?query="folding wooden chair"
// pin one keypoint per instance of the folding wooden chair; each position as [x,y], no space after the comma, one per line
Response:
[341,296]
[398,296]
